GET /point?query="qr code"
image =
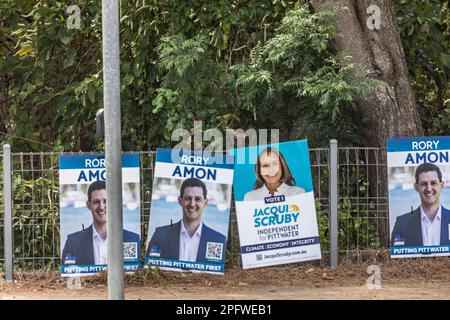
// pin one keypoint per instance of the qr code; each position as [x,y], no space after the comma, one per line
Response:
[130,250]
[259,257]
[214,250]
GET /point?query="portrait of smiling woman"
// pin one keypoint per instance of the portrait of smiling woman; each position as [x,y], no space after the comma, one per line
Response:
[273,177]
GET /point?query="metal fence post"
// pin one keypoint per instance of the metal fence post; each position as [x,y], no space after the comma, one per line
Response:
[333,166]
[7,219]
[113,147]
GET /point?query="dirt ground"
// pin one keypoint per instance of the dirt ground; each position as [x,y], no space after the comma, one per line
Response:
[400,279]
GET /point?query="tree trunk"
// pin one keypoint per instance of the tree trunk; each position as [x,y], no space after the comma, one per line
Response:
[392,112]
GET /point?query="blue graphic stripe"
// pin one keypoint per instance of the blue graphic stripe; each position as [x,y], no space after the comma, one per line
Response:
[406,144]
[94,268]
[216,160]
[409,250]
[129,160]
[280,245]
[185,265]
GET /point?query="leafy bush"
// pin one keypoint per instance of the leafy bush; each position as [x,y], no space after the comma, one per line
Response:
[425,33]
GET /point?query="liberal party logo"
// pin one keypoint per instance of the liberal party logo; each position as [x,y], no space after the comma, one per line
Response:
[155,251]
[70,259]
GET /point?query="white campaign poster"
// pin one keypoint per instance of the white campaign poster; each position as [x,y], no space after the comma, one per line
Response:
[83,212]
[275,205]
[190,211]
[419,196]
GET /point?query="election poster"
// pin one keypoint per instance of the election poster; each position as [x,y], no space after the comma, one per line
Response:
[84,214]
[190,211]
[419,196]
[275,206]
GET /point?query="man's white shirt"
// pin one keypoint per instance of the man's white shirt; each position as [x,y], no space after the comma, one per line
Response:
[189,246]
[431,231]
[100,249]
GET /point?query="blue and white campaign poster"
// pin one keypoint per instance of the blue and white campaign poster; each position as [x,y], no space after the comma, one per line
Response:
[190,211]
[275,206]
[83,210]
[419,196]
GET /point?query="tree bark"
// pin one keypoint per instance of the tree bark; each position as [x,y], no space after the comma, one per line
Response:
[392,112]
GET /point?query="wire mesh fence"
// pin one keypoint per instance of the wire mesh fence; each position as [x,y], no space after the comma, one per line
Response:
[35,200]
[35,204]
[363,203]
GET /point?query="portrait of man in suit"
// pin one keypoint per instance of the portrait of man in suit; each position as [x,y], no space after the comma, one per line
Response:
[427,225]
[89,246]
[189,239]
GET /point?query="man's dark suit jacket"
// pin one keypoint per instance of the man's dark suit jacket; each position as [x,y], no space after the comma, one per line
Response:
[79,245]
[408,228]
[166,240]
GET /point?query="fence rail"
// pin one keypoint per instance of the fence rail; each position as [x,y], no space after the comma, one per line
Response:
[361,207]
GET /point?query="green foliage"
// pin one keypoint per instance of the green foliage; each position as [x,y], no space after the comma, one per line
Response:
[425,31]
[229,66]
[297,83]
[323,226]
[228,63]
[52,76]
[176,62]
[193,84]
[36,221]
[358,226]
[178,55]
